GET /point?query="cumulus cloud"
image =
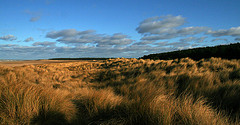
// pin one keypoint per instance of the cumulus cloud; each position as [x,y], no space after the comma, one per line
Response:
[169,27]
[192,30]
[173,33]
[29,39]
[156,25]
[181,44]
[44,44]
[8,37]
[166,27]
[79,39]
[234,31]
[67,33]
[115,39]
[74,37]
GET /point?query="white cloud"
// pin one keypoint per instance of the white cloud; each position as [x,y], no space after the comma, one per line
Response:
[29,39]
[8,45]
[67,33]
[115,39]
[45,50]
[191,30]
[155,25]
[174,33]
[74,37]
[158,37]
[26,52]
[8,38]
[144,42]
[78,39]
[42,50]
[156,33]
[166,28]
[234,31]
[44,44]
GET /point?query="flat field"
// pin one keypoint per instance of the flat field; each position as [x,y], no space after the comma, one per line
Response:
[120,91]
[34,62]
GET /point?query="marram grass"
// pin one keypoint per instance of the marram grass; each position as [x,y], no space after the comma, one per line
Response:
[122,92]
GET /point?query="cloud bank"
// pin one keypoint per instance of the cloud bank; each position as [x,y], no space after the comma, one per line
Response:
[234,31]
[158,34]
[44,44]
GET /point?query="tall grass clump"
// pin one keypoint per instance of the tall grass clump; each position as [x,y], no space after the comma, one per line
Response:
[98,106]
[31,104]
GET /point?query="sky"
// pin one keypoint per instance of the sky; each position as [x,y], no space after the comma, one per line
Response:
[43,29]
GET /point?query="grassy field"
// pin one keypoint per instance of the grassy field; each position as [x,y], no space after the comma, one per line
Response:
[122,92]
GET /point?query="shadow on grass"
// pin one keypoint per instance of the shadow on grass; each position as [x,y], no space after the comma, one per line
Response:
[49,118]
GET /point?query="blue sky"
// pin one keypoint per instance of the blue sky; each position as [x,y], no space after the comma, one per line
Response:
[41,29]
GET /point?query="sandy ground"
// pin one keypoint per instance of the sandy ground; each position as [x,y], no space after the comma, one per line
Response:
[34,62]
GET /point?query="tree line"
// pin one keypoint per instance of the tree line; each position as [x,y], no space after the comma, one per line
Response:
[231,51]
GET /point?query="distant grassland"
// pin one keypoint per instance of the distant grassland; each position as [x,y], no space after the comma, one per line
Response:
[80,58]
[122,91]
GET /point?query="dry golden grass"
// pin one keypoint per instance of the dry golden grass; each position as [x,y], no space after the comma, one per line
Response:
[122,91]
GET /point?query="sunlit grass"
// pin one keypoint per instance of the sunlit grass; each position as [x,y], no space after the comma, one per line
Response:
[122,91]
